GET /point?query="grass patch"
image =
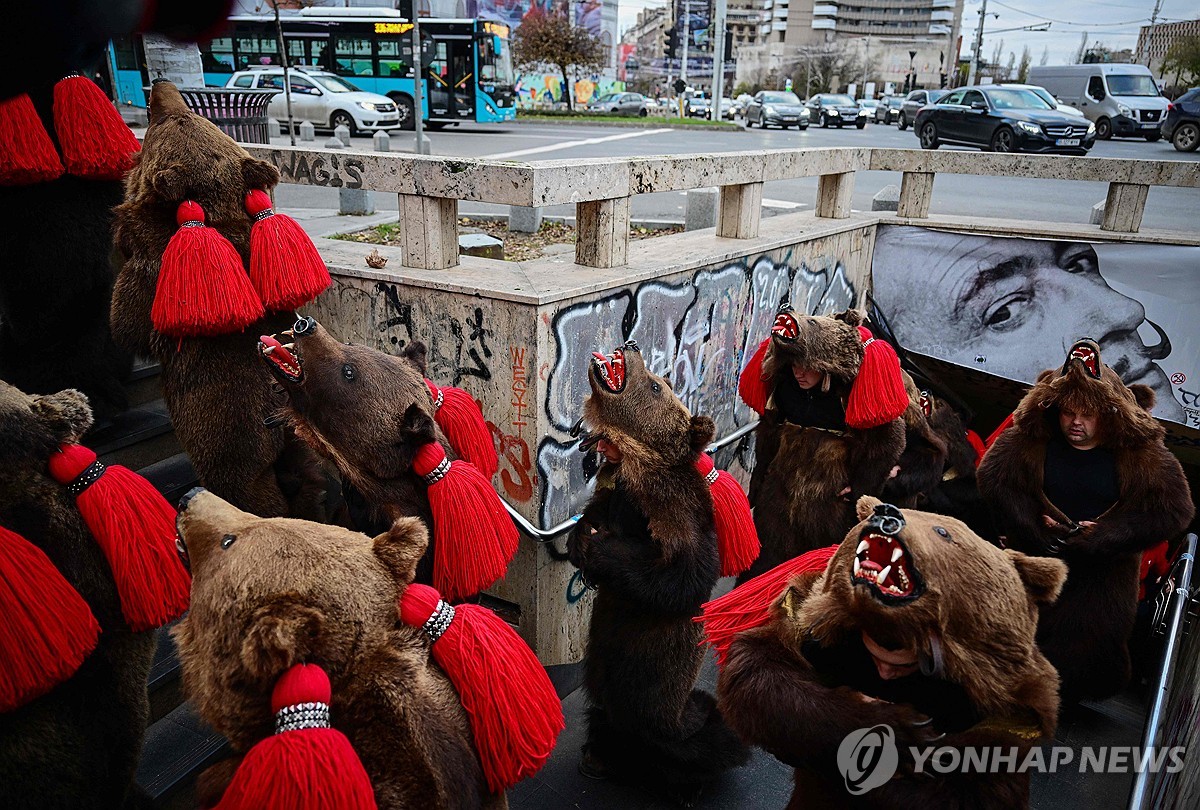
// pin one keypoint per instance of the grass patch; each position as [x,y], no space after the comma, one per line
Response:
[518,247]
[557,116]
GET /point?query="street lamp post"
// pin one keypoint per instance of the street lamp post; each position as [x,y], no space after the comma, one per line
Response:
[912,70]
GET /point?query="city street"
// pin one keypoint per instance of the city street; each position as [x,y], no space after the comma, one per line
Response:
[1048,200]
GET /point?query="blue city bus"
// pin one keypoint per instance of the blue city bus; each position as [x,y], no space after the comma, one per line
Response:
[468,77]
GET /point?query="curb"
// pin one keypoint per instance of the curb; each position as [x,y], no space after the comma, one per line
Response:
[641,123]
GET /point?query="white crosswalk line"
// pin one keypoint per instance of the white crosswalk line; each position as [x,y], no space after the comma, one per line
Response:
[572,144]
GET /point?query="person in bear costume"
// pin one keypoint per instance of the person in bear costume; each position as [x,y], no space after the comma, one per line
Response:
[647,543]
[219,395]
[893,632]
[1097,509]
[832,429]
[923,461]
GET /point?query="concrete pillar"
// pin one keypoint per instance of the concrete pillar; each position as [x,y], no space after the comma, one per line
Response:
[1124,207]
[383,141]
[887,199]
[274,129]
[355,202]
[833,195]
[739,211]
[429,228]
[524,219]
[343,135]
[916,193]
[602,232]
[307,131]
[701,210]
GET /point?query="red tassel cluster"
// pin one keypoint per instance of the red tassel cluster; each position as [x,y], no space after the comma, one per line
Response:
[27,155]
[96,143]
[462,421]
[515,713]
[877,395]
[285,267]
[977,445]
[737,539]
[752,388]
[749,605]
[1005,425]
[135,528]
[474,538]
[312,767]
[46,629]
[202,288]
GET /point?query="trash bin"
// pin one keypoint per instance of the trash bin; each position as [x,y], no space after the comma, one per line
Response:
[240,114]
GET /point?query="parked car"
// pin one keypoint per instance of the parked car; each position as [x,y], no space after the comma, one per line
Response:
[621,104]
[1002,119]
[1182,124]
[915,101]
[887,111]
[326,99]
[834,109]
[778,108]
[1045,95]
[1120,99]
[697,106]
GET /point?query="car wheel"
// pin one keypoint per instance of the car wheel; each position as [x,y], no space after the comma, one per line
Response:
[824,121]
[404,109]
[642,113]
[903,122]
[861,125]
[1002,140]
[342,118]
[929,136]
[1103,129]
[1186,137]
[1153,136]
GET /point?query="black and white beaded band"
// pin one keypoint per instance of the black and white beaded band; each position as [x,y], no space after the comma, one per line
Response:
[86,478]
[437,401]
[263,214]
[438,472]
[869,341]
[711,477]
[192,223]
[301,716]
[438,621]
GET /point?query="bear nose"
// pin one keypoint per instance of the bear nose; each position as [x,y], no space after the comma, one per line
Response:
[304,326]
[187,498]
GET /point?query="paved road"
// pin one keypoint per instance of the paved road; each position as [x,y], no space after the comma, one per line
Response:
[980,196]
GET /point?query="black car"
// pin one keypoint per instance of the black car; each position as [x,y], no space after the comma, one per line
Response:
[834,109]
[1182,124]
[888,110]
[1002,119]
[778,108]
[914,102]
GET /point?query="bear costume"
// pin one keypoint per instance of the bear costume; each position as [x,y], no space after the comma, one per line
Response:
[646,542]
[1086,633]
[219,396]
[923,461]
[801,682]
[812,444]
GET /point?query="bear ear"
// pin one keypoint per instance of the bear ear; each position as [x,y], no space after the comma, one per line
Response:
[415,430]
[401,547]
[171,183]
[1144,395]
[866,506]
[66,414]
[259,174]
[1043,576]
[415,353]
[281,634]
[851,316]
[701,432]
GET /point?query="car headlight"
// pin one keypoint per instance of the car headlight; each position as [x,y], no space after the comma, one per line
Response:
[862,112]
[805,113]
[834,112]
[769,110]
[1028,127]
[1091,128]
[366,105]
[1123,110]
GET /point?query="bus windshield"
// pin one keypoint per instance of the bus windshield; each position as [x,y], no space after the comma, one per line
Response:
[495,68]
[335,84]
[1120,85]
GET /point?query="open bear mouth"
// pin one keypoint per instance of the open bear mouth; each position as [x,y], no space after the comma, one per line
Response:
[283,358]
[883,563]
[1084,353]
[785,327]
[610,369]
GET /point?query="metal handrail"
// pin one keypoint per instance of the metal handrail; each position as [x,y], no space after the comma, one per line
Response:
[1180,597]
[546,535]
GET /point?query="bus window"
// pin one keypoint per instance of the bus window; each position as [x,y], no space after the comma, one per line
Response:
[392,64]
[253,50]
[217,56]
[352,56]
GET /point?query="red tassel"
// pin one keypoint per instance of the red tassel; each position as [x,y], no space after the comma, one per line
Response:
[307,765]
[27,155]
[737,539]
[462,421]
[474,538]
[514,711]
[47,629]
[1005,425]
[285,266]
[202,288]
[751,385]
[135,528]
[749,605]
[977,445]
[96,143]
[877,395]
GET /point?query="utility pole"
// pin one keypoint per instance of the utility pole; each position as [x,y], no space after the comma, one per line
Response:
[866,62]
[287,79]
[1150,36]
[978,45]
[718,82]
[687,38]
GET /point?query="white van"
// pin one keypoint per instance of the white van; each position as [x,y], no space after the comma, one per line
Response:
[1120,99]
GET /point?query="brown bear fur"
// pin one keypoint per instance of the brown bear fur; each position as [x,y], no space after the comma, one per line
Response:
[923,461]
[271,593]
[76,746]
[1085,634]
[217,392]
[800,471]
[646,542]
[774,697]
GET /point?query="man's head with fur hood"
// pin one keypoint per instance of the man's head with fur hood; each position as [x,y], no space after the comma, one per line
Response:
[828,345]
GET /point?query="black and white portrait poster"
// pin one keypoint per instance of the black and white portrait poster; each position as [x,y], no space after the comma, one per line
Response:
[1012,306]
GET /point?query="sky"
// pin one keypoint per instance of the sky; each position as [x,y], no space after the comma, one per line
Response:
[1113,23]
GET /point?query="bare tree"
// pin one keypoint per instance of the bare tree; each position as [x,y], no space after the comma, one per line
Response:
[1023,65]
[1082,51]
[996,53]
[1045,56]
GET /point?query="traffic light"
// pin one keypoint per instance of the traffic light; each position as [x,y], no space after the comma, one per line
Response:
[672,43]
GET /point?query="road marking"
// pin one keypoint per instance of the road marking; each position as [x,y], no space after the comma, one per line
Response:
[781,204]
[572,144]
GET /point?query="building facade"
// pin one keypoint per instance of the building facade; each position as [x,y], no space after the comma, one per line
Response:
[1155,40]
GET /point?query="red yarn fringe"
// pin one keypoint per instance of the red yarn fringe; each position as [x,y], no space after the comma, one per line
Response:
[474,538]
[751,386]
[47,630]
[461,420]
[285,267]
[202,288]
[514,711]
[977,445]
[27,155]
[737,538]
[749,605]
[877,395]
[135,528]
[1005,425]
[97,144]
